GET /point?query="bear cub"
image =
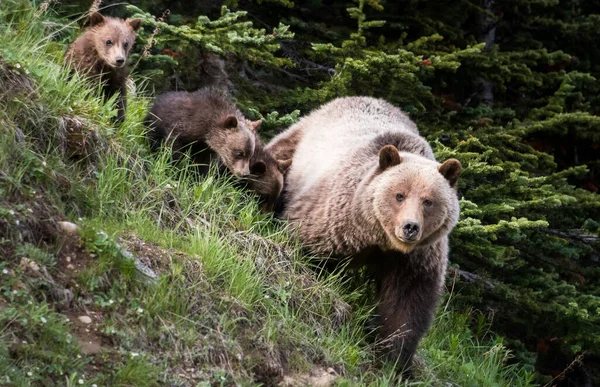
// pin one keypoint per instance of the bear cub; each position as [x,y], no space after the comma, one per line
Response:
[102,51]
[365,186]
[266,176]
[206,123]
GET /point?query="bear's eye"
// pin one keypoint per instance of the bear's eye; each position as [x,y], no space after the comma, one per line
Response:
[109,42]
[400,198]
[126,44]
[427,203]
[238,154]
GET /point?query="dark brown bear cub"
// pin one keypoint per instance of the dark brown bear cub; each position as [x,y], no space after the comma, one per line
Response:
[205,123]
[102,50]
[266,176]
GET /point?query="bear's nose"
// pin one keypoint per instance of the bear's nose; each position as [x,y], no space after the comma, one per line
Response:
[120,60]
[410,230]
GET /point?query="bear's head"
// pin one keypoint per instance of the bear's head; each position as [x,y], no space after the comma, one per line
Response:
[234,141]
[266,177]
[113,38]
[414,198]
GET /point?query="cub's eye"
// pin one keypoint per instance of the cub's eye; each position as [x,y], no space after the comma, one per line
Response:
[400,198]
[238,154]
[109,42]
[126,44]
[427,203]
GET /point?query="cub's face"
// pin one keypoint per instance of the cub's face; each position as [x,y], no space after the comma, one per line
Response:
[234,143]
[415,199]
[113,38]
[266,179]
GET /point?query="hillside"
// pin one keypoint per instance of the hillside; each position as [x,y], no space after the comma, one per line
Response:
[118,268]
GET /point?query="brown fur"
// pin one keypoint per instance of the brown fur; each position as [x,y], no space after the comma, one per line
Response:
[266,177]
[364,184]
[205,122]
[101,52]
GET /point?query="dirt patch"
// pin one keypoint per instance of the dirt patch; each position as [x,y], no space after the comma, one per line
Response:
[91,340]
[72,257]
[319,377]
[13,82]
[157,258]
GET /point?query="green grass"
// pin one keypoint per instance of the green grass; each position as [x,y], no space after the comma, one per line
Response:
[235,300]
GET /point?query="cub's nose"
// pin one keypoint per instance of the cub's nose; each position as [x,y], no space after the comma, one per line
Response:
[410,230]
[120,60]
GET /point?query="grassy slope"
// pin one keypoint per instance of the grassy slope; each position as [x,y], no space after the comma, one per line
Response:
[235,301]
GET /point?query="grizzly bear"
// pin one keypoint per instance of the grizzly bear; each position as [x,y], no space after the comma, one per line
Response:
[102,50]
[206,123]
[266,176]
[365,186]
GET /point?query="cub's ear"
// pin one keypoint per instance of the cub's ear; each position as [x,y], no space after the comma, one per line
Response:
[96,18]
[283,165]
[230,122]
[254,125]
[134,23]
[450,169]
[258,168]
[389,157]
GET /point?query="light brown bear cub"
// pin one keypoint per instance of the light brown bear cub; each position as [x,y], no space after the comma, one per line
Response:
[206,123]
[364,184]
[102,50]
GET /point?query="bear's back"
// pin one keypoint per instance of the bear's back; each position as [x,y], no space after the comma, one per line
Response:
[190,115]
[339,134]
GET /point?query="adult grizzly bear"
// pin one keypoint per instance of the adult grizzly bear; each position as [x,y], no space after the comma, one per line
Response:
[102,50]
[206,122]
[364,184]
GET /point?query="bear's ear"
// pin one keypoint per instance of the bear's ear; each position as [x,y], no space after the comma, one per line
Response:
[258,168]
[389,157]
[254,125]
[230,122]
[283,165]
[96,18]
[450,169]
[134,23]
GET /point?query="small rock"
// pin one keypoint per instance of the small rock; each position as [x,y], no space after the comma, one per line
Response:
[85,319]
[68,227]
[27,263]
[70,266]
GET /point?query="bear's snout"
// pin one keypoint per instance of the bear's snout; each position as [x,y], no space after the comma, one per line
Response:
[410,230]
[120,61]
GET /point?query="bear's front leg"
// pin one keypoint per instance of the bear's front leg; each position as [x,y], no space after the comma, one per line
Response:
[409,288]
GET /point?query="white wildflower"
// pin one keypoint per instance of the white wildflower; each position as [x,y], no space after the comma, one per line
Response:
[140,310]
[29,373]
[80,381]
[18,65]
[44,320]
[134,354]
[5,271]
